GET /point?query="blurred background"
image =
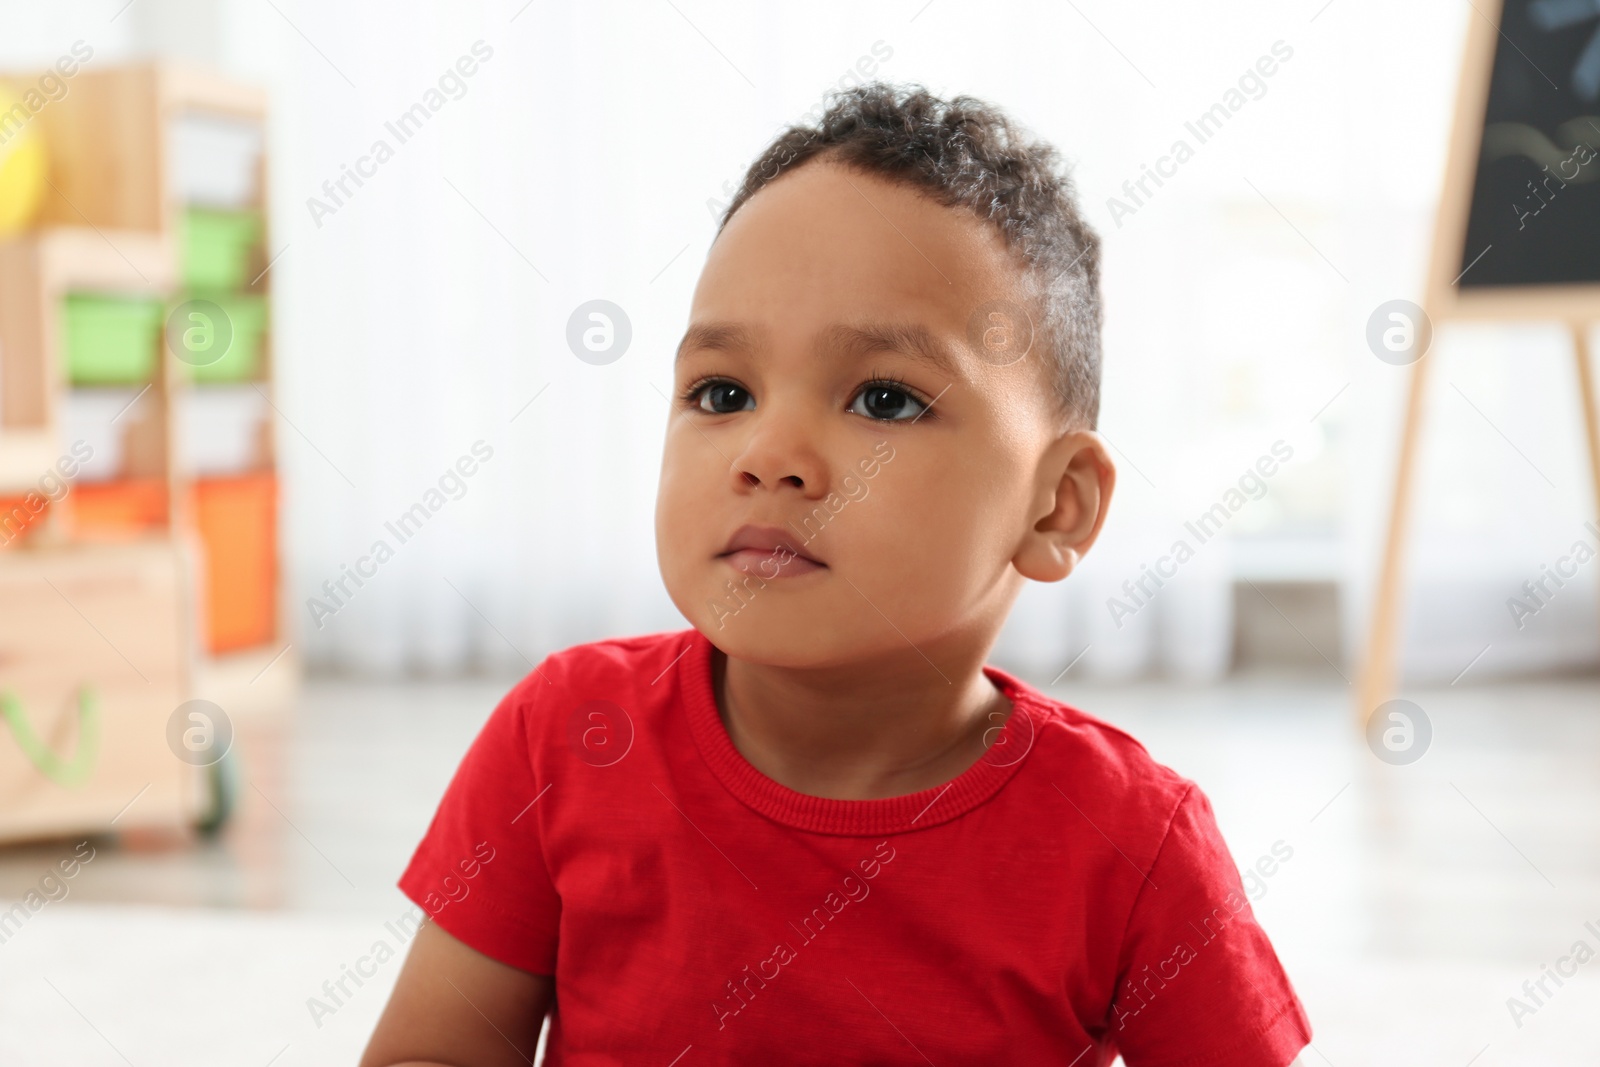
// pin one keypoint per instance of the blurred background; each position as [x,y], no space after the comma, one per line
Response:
[364,232]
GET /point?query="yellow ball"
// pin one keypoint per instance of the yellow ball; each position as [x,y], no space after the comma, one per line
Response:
[22,162]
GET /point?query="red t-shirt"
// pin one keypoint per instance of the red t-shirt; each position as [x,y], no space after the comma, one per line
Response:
[1063,899]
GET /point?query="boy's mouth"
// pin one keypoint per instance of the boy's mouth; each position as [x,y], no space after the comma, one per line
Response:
[768,552]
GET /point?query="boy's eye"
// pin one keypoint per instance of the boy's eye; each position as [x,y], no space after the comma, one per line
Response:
[886,403]
[722,398]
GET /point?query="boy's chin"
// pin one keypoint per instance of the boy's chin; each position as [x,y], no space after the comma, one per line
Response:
[776,640]
[794,623]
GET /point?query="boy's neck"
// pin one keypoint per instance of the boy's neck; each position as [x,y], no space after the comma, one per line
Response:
[868,730]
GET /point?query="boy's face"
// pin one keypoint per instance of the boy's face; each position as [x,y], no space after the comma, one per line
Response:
[900,486]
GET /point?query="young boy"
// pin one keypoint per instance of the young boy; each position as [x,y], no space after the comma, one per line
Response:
[816,828]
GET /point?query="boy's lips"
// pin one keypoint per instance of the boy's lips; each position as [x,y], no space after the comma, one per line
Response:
[768,552]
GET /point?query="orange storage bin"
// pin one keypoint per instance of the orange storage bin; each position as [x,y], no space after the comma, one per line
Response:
[237,520]
[123,510]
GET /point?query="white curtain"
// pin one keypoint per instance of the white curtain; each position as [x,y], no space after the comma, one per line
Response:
[430,307]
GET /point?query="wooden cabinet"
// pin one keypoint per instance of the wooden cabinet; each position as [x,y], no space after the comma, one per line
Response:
[92,653]
[137,608]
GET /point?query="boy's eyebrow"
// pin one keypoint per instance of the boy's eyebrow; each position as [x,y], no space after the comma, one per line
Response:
[909,339]
[717,336]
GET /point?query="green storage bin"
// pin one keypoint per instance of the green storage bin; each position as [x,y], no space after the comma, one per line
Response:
[111,340]
[217,247]
[247,320]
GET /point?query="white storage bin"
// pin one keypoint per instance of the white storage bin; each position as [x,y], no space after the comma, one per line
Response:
[216,160]
[86,416]
[219,429]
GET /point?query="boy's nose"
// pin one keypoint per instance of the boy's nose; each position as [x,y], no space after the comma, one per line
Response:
[777,455]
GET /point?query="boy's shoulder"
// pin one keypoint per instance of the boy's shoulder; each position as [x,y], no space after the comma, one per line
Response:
[1097,766]
[612,663]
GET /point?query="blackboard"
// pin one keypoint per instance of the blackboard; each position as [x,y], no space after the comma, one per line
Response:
[1534,211]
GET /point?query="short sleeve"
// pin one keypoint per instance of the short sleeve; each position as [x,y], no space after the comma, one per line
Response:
[1198,982]
[480,870]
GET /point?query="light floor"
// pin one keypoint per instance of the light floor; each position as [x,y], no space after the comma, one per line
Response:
[1418,898]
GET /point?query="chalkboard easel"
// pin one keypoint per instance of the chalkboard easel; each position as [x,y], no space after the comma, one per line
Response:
[1517,235]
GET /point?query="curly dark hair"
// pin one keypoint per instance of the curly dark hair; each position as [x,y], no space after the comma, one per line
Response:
[966,153]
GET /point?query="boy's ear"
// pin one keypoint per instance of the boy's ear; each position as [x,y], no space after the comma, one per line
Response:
[1076,477]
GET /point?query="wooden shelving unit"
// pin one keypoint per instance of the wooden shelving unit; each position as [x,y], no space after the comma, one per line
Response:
[112,223]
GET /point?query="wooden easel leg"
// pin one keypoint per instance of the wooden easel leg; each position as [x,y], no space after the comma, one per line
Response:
[1378,673]
[1591,413]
